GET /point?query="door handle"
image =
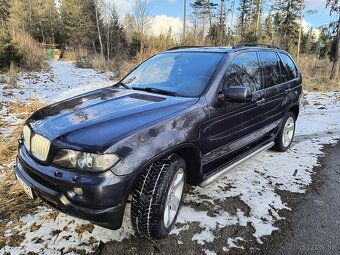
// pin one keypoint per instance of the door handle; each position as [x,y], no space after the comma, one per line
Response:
[260,101]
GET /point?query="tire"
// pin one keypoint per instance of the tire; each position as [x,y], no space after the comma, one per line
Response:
[286,133]
[153,212]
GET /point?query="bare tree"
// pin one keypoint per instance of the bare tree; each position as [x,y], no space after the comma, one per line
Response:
[142,15]
[97,7]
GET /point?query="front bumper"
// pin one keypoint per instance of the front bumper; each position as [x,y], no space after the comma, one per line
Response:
[102,203]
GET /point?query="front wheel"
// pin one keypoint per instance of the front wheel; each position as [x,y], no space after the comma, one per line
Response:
[286,133]
[157,197]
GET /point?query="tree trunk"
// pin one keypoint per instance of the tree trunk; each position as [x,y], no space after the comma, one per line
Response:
[258,15]
[232,20]
[108,41]
[209,11]
[99,33]
[300,31]
[335,68]
[184,19]
[242,19]
[221,23]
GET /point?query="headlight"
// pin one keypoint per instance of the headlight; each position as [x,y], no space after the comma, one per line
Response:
[27,137]
[85,161]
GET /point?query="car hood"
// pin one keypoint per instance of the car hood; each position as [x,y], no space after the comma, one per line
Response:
[92,120]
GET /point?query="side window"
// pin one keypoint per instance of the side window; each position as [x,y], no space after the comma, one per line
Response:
[244,71]
[271,68]
[289,65]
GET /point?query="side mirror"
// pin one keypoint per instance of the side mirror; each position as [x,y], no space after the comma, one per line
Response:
[238,94]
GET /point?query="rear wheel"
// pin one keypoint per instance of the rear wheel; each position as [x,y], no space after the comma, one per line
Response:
[286,133]
[157,197]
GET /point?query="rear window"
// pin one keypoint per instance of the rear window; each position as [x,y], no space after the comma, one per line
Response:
[271,68]
[289,65]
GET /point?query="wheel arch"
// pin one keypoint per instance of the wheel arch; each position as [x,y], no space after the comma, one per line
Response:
[192,157]
[295,109]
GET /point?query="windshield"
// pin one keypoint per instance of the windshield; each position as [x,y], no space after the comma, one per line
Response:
[184,74]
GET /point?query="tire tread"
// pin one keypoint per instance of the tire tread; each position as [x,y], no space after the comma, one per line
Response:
[146,202]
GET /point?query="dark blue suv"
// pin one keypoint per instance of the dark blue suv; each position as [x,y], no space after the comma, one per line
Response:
[186,115]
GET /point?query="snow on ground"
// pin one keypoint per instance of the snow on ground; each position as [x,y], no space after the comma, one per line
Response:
[62,81]
[256,182]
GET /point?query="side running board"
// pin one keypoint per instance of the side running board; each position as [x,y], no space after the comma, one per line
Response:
[222,172]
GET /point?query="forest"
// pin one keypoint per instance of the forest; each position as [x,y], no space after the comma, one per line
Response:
[92,33]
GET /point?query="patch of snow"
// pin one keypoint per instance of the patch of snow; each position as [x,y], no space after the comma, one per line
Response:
[233,242]
[208,252]
[51,236]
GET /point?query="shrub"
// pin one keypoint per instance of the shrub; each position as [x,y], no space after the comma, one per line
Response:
[74,54]
[23,51]
[33,56]
[315,74]
[9,52]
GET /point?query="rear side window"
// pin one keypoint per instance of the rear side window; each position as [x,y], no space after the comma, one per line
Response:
[244,71]
[289,65]
[271,68]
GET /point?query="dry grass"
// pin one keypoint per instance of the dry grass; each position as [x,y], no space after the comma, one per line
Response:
[14,202]
[3,78]
[18,107]
[74,55]
[147,53]
[8,146]
[120,66]
[34,57]
[315,73]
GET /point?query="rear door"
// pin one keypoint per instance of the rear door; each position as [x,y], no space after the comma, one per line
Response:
[277,86]
[234,125]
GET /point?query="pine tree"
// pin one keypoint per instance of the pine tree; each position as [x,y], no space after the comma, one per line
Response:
[4,13]
[204,12]
[130,27]
[245,13]
[286,22]
[47,21]
[250,27]
[117,35]
[269,33]
[18,17]
[77,24]
[335,8]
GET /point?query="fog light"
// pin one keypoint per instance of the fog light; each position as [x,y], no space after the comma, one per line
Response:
[78,191]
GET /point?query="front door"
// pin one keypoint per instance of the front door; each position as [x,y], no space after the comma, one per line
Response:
[234,125]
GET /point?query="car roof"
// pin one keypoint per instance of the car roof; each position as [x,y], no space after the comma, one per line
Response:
[223,49]
[201,49]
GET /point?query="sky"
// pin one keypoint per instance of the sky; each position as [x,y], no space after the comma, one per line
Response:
[166,13]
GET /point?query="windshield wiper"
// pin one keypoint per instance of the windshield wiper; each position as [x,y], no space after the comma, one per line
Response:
[121,84]
[159,91]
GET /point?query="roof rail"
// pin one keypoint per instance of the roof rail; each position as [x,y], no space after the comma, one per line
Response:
[185,47]
[255,45]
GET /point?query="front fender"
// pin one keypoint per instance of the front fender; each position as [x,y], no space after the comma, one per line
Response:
[137,150]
